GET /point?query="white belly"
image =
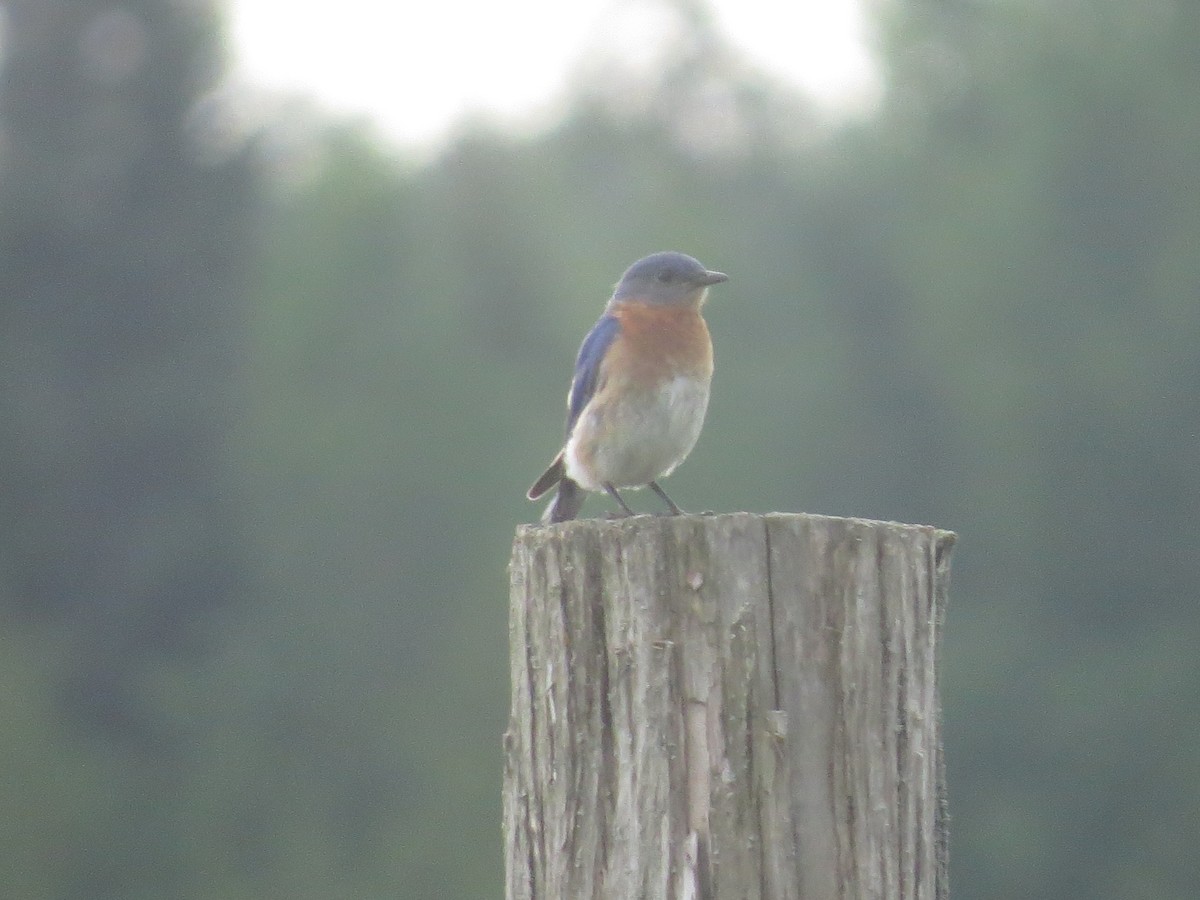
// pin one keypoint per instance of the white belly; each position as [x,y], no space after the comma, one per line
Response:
[629,444]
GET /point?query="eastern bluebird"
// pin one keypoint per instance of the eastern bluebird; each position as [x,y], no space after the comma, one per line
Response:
[640,391]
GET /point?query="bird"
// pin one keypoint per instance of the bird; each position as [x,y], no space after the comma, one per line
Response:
[640,390]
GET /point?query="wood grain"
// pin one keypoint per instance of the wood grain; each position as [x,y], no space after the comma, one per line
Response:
[732,706]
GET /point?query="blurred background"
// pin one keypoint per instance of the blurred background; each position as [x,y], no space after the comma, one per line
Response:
[288,307]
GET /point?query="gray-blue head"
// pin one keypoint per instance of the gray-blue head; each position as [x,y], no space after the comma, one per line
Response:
[668,279]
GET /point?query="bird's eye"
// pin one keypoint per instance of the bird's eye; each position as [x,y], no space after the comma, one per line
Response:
[663,276]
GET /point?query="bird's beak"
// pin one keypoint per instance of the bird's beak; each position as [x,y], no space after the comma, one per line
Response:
[713,278]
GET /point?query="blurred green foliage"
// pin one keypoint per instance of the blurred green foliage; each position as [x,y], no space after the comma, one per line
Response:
[265,439]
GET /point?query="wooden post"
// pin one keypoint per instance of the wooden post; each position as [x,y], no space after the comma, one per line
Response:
[731,706]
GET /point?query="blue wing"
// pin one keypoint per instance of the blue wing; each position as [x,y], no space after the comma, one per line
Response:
[587,365]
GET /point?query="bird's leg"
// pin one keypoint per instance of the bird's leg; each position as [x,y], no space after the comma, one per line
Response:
[612,492]
[675,510]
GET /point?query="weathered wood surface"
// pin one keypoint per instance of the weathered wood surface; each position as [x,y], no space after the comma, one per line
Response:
[732,706]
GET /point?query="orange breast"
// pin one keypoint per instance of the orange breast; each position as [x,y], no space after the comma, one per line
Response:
[659,343]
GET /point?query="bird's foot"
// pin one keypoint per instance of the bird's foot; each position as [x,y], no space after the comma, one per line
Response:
[675,510]
[625,510]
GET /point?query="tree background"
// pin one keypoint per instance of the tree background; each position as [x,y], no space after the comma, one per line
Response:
[270,401]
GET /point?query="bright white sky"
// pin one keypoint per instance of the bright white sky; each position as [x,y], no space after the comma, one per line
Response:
[416,68]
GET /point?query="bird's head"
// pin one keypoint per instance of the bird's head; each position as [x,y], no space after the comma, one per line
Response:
[667,279]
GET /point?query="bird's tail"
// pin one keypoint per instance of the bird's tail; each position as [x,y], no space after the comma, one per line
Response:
[567,502]
[569,499]
[548,479]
